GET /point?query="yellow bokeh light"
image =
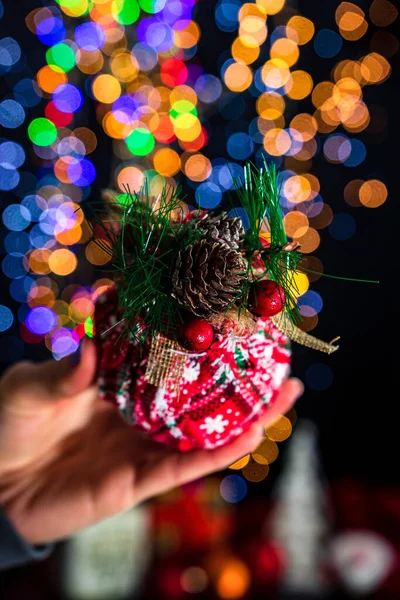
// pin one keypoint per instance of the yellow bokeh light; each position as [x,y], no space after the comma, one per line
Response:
[299,85]
[275,73]
[106,88]
[76,9]
[167,162]
[300,30]
[62,261]
[300,281]
[270,105]
[238,77]
[271,7]
[124,66]
[187,127]
[285,49]
[253,31]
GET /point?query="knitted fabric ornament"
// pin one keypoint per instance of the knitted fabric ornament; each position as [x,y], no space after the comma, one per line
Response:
[222,391]
[199,276]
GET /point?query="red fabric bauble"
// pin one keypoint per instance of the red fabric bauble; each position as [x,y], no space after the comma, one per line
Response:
[267,298]
[222,391]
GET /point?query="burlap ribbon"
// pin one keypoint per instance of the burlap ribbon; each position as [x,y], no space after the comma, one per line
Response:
[166,363]
[295,334]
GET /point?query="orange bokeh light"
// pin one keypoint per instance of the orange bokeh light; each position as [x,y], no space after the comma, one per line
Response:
[49,78]
[300,30]
[238,77]
[373,193]
[167,162]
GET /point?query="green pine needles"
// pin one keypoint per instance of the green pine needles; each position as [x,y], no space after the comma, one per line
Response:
[144,237]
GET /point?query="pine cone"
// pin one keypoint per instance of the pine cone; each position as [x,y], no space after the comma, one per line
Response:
[222,228]
[208,277]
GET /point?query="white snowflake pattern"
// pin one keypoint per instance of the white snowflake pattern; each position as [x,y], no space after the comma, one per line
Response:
[280,373]
[192,371]
[214,424]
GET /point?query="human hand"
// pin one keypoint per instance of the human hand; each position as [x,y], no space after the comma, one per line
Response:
[68,460]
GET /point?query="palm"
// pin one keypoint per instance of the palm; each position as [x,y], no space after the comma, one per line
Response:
[68,460]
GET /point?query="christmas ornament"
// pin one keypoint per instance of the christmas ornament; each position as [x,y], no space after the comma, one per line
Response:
[268,298]
[196,335]
[194,338]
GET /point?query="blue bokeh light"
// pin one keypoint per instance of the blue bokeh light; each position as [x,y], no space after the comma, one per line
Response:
[319,377]
[208,195]
[16,217]
[12,114]
[12,155]
[327,43]
[41,320]
[6,318]
[90,36]
[233,488]
[342,227]
[240,146]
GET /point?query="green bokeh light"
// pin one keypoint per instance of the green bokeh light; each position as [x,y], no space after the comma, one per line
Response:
[124,199]
[152,6]
[62,56]
[42,132]
[125,12]
[140,142]
[89,327]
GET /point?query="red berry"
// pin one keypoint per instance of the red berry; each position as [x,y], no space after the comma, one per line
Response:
[267,298]
[196,334]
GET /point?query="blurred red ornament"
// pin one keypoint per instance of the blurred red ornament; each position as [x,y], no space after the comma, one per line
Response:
[267,298]
[196,335]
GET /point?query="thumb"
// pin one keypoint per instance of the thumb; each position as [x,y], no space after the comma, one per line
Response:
[53,379]
[70,381]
